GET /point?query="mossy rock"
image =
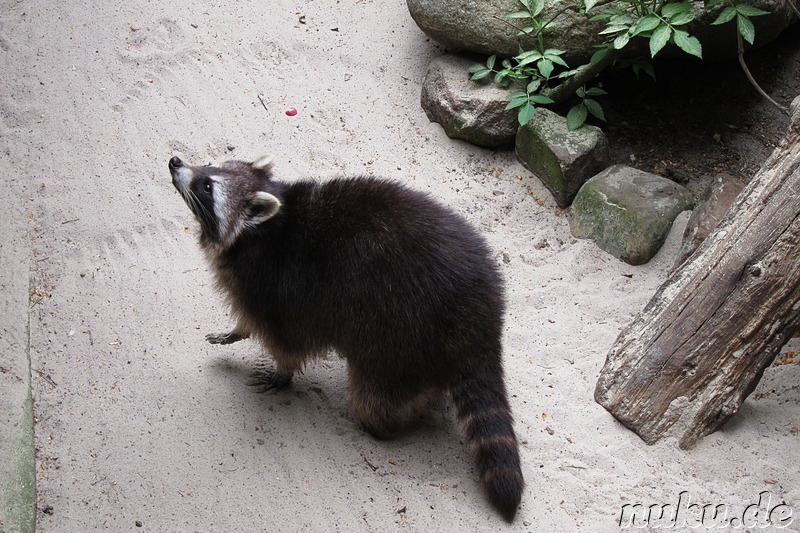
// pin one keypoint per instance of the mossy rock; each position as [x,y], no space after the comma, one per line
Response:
[562,159]
[628,212]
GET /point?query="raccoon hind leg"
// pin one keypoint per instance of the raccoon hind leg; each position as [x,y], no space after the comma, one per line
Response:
[265,378]
[383,409]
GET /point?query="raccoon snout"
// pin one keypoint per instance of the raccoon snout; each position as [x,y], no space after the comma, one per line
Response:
[175,162]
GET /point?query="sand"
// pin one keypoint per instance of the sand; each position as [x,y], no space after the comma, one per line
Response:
[143,426]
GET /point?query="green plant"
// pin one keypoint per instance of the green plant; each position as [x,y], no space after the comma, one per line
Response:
[529,71]
[578,114]
[541,76]
[667,23]
[536,25]
[742,13]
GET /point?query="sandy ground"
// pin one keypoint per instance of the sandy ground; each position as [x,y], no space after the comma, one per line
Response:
[142,426]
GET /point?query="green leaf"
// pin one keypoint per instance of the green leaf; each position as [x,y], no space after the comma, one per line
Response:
[500,76]
[746,28]
[726,15]
[526,4]
[516,102]
[554,55]
[714,3]
[648,23]
[750,11]
[526,113]
[659,39]
[688,44]
[517,94]
[598,56]
[536,8]
[595,91]
[479,75]
[581,92]
[621,41]
[670,10]
[594,107]
[528,61]
[535,54]
[490,62]
[613,29]
[576,116]
[539,99]
[682,18]
[622,19]
[534,86]
[476,67]
[643,64]
[545,67]
[523,75]
[519,15]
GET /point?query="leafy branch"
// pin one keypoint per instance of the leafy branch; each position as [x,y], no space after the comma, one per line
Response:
[542,77]
[745,31]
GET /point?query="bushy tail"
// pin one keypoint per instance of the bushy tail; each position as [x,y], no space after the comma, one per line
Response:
[482,406]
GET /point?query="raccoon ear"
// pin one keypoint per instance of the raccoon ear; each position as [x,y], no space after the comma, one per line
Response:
[263,163]
[262,207]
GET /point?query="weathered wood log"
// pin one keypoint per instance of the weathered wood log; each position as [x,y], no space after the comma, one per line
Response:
[684,366]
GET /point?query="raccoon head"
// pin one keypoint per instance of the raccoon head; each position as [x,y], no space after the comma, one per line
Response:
[226,199]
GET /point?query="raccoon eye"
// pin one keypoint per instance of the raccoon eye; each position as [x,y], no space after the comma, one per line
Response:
[207,186]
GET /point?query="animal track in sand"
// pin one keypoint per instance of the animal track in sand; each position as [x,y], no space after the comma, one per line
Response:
[166,36]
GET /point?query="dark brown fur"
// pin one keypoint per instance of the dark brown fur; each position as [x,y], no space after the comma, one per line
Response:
[401,287]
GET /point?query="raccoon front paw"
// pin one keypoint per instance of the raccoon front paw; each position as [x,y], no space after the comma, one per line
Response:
[226,338]
[265,380]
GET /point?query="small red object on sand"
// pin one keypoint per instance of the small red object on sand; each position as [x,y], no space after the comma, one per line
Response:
[291,112]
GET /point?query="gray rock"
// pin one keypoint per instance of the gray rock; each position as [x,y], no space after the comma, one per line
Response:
[628,212]
[479,26]
[563,160]
[712,207]
[467,110]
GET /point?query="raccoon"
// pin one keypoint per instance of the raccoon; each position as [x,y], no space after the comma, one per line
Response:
[399,286]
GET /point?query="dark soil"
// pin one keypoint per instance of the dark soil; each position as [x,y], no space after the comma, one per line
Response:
[700,119]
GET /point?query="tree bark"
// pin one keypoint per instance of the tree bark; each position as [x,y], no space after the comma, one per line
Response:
[688,361]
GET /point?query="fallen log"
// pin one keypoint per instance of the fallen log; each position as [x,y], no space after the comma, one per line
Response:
[684,366]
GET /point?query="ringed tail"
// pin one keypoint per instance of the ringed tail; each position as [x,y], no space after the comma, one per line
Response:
[482,407]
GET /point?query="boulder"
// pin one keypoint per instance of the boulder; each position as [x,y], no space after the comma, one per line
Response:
[628,212]
[562,159]
[714,204]
[480,26]
[474,112]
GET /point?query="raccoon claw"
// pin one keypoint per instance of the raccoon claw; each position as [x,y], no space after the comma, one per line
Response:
[266,380]
[225,338]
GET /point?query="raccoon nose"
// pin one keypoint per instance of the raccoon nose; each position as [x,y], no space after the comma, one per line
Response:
[175,162]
